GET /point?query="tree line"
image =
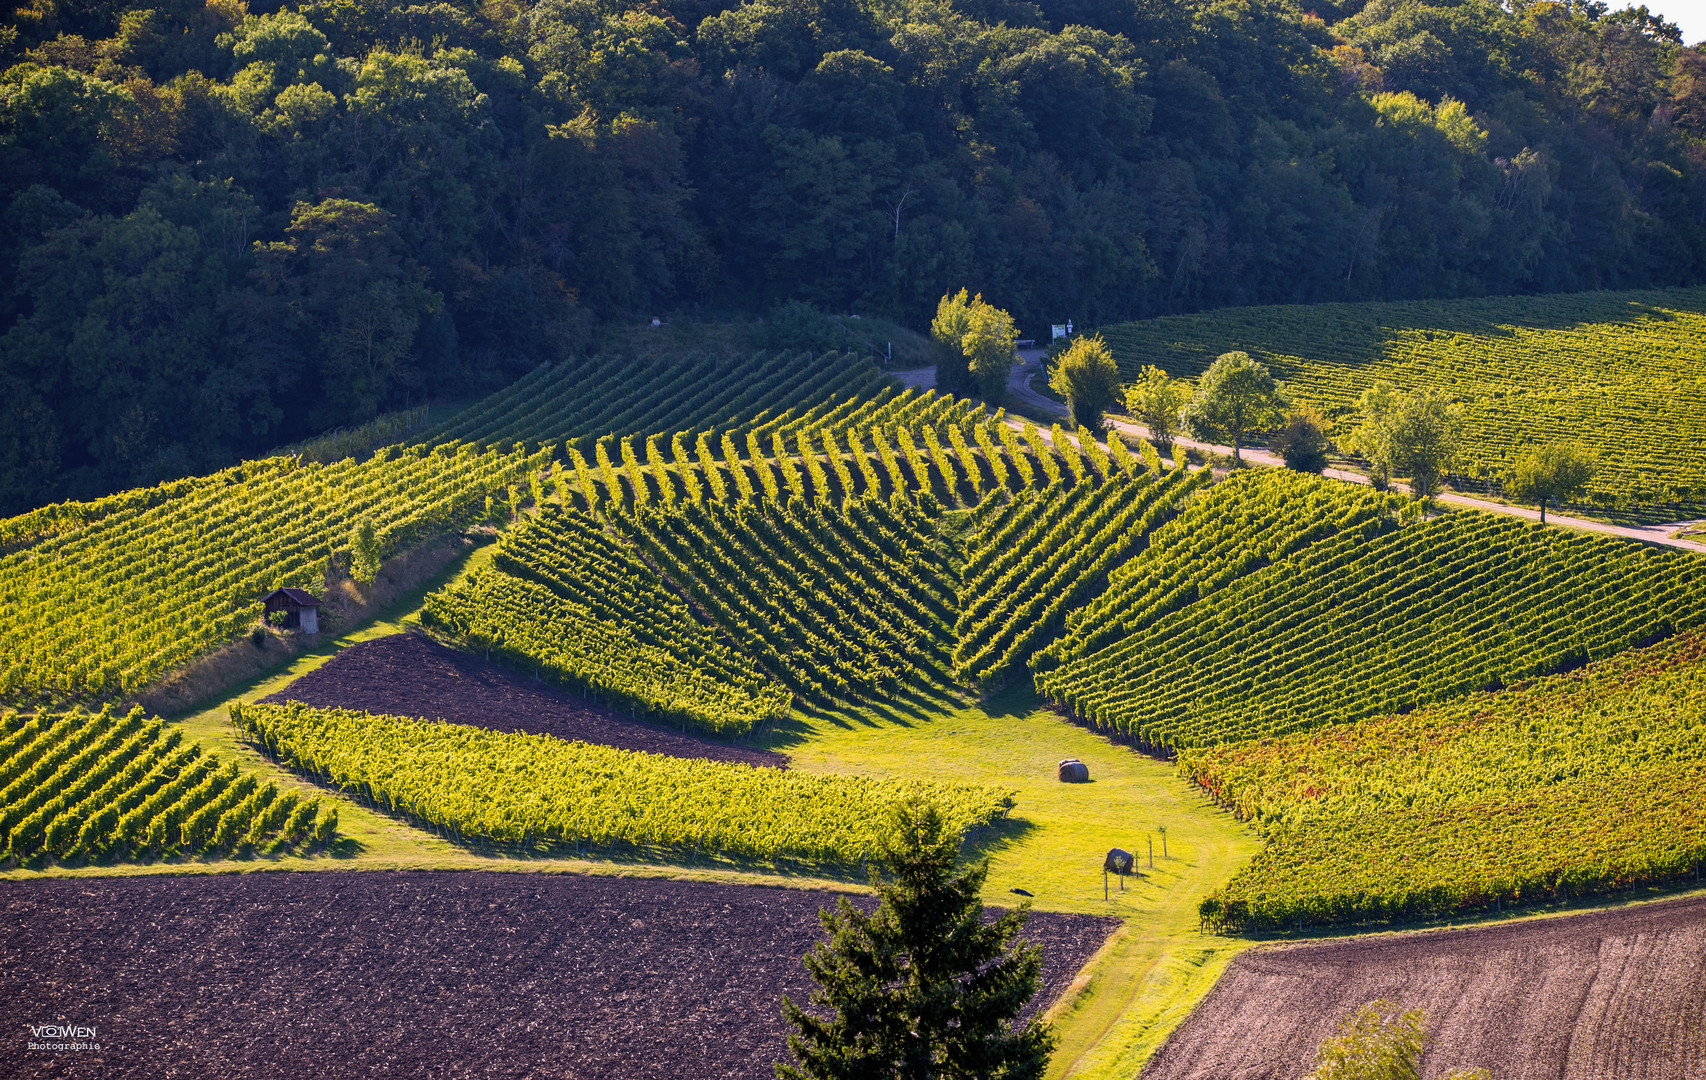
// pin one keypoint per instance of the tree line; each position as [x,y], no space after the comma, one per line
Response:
[223,229]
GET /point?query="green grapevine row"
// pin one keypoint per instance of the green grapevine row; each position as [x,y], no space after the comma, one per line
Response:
[1622,373]
[1241,524]
[1363,623]
[582,400]
[1582,783]
[109,607]
[837,604]
[564,599]
[1045,558]
[79,786]
[535,789]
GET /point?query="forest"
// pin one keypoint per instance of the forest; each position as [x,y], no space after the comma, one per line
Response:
[224,228]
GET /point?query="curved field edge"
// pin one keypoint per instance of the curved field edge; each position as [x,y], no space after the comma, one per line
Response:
[1610,992]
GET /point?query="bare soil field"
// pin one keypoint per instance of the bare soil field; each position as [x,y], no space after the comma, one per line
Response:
[442,974]
[411,675]
[1613,995]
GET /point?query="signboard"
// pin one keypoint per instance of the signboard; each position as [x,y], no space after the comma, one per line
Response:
[1059,331]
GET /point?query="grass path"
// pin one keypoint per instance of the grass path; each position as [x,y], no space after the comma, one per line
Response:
[1158,965]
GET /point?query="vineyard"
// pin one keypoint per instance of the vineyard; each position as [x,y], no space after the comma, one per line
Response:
[515,788]
[564,599]
[1624,374]
[1232,528]
[1585,782]
[1041,555]
[82,786]
[108,608]
[1378,618]
[764,395]
[837,604]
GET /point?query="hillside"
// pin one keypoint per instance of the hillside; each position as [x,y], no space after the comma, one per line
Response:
[285,218]
[1623,374]
[1569,785]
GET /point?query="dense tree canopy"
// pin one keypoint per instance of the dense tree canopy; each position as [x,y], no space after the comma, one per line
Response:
[222,228]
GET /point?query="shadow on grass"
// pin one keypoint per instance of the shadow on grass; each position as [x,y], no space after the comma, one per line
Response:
[1000,835]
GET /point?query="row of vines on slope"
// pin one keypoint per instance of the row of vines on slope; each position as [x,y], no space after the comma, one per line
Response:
[108,608]
[837,604]
[474,784]
[1580,783]
[1622,373]
[1378,619]
[583,400]
[1042,555]
[564,599]
[82,786]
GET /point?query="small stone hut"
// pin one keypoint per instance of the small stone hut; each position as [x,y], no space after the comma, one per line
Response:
[302,610]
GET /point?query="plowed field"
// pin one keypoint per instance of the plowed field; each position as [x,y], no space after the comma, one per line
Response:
[410,675]
[1615,995]
[383,974]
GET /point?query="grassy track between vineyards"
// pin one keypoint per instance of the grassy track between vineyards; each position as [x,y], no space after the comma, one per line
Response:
[1148,977]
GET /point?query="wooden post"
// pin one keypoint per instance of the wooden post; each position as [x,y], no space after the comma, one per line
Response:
[1104,883]
[1152,852]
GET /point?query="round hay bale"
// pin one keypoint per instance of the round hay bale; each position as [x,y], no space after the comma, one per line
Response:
[1119,861]
[1073,771]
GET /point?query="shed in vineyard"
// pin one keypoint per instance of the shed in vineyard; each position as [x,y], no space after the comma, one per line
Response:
[301,609]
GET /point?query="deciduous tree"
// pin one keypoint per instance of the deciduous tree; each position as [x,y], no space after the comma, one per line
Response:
[1303,441]
[978,335]
[1085,375]
[1234,395]
[1552,473]
[1154,400]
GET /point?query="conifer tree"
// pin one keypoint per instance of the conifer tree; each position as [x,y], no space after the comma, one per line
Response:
[923,988]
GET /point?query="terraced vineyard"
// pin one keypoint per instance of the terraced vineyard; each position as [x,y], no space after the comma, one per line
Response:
[539,790]
[107,608]
[563,599]
[1378,619]
[1580,783]
[1245,522]
[78,786]
[1041,555]
[764,396]
[837,604]
[1622,373]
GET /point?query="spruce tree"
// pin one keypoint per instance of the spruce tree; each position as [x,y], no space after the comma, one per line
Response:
[923,988]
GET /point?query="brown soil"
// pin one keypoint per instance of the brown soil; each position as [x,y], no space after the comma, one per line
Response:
[344,604]
[441,974]
[410,675]
[1619,995]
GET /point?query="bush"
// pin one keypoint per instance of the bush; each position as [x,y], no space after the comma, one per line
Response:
[1303,441]
[797,326]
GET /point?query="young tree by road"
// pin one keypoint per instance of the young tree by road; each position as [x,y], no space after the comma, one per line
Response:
[978,336]
[1085,375]
[1416,435]
[1154,400]
[1553,473]
[1234,395]
[922,988]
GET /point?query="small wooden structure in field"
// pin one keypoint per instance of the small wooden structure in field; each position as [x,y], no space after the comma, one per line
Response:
[301,609]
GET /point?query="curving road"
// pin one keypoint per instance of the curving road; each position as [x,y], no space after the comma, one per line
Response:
[1030,364]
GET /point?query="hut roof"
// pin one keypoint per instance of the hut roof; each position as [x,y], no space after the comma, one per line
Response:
[299,597]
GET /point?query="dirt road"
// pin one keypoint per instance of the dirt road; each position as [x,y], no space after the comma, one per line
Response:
[1029,365]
